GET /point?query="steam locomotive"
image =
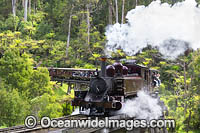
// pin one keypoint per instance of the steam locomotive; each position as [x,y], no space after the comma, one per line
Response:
[110,87]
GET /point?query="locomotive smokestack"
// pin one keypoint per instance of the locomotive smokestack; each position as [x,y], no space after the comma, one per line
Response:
[103,66]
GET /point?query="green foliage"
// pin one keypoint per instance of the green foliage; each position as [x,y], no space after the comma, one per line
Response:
[179,88]
[46,105]
[67,108]
[10,23]
[16,69]
[42,29]
[13,108]
[39,83]
[89,66]
[18,79]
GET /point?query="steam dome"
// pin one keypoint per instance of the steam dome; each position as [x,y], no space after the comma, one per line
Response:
[125,70]
[110,71]
[118,67]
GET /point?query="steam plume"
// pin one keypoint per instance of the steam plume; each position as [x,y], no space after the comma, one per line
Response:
[142,107]
[75,112]
[172,29]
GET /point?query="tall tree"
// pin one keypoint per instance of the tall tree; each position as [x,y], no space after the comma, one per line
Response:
[29,6]
[116,4]
[69,31]
[34,5]
[123,11]
[88,24]
[23,3]
[25,10]
[14,7]
[110,12]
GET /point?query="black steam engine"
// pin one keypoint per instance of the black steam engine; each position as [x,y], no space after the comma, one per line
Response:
[110,87]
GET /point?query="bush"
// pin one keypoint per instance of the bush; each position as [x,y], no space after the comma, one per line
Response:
[13,108]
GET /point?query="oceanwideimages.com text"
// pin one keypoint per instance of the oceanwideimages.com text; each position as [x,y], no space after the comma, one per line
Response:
[46,122]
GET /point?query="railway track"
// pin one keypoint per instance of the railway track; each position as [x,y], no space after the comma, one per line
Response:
[23,128]
[40,129]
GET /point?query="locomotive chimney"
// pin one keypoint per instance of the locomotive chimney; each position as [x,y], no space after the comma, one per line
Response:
[103,66]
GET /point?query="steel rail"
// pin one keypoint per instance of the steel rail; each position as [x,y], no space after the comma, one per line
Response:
[23,128]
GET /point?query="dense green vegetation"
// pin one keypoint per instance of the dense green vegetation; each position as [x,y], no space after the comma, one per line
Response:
[70,33]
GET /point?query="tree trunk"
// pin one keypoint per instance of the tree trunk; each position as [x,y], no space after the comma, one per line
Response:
[68,37]
[188,122]
[29,7]
[34,6]
[116,11]
[14,7]
[69,31]
[25,10]
[123,11]
[136,2]
[110,12]
[23,3]
[185,84]
[88,24]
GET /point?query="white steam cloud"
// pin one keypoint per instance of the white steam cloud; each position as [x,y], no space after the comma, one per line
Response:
[142,107]
[75,112]
[172,29]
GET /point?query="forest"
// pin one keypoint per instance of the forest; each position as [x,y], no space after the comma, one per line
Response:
[71,34]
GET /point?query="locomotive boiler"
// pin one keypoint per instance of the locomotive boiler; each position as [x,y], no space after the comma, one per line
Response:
[110,87]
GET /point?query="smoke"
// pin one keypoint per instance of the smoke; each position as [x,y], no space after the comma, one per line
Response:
[171,29]
[142,107]
[76,112]
[85,112]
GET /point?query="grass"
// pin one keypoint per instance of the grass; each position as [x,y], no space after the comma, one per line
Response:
[3,127]
[61,92]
